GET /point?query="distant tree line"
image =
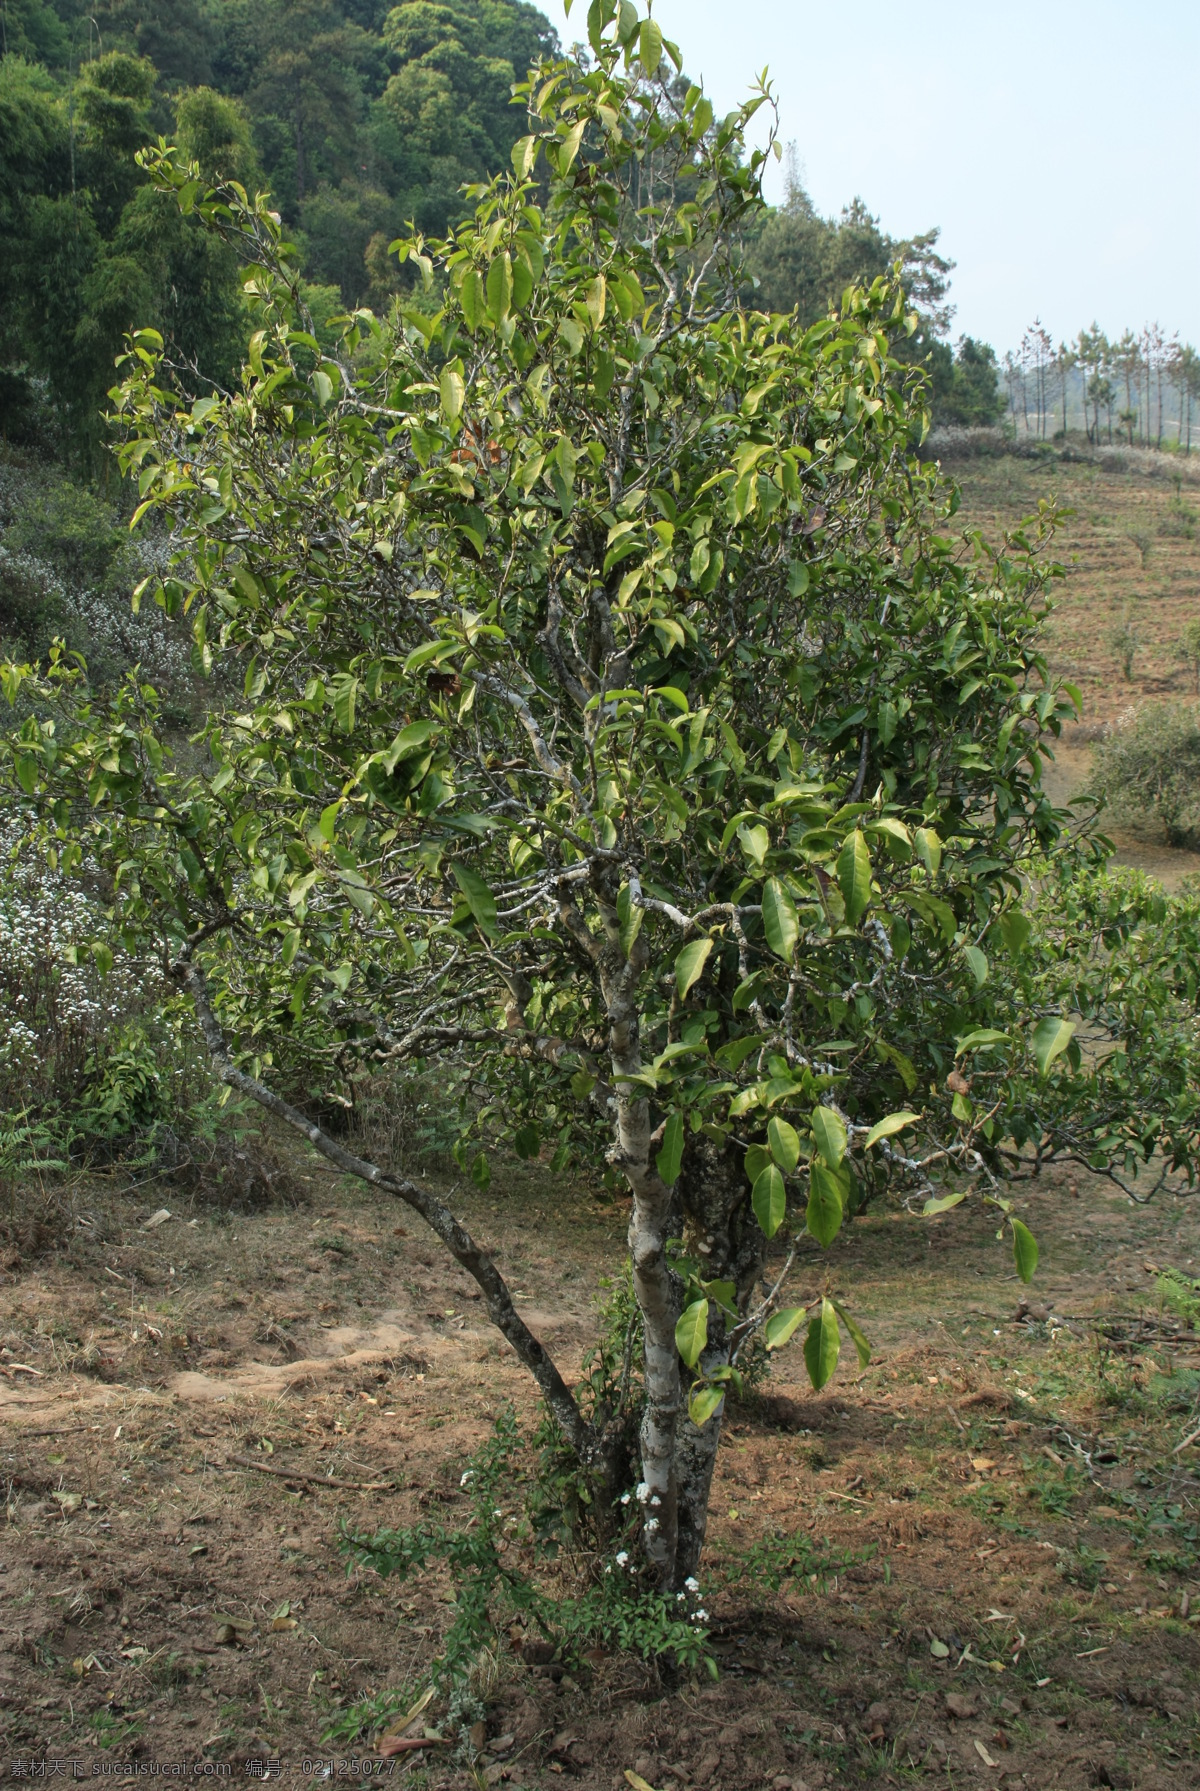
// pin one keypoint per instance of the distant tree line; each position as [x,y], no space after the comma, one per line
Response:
[1141,388]
[359,116]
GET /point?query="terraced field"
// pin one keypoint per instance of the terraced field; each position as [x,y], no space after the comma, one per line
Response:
[1131,549]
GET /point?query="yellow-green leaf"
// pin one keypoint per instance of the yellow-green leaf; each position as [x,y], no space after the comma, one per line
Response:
[703,1403]
[782,1324]
[690,963]
[1051,1037]
[691,1332]
[885,1127]
[453,392]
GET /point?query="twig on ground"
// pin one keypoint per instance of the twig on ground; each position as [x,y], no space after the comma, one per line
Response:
[264,1467]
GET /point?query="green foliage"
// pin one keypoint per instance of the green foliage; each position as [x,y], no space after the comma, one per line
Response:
[1148,769]
[491,1592]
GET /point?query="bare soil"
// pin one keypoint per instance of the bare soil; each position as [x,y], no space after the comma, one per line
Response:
[972,1563]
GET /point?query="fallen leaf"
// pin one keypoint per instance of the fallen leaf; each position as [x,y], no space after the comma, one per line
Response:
[938,1649]
[961,1706]
[390,1746]
[68,1500]
[135,1653]
[399,1730]
[982,1464]
[281,1623]
[984,1755]
[637,1781]
[157,1219]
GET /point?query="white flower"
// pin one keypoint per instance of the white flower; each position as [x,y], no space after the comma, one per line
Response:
[623,1558]
[625,1498]
[643,1493]
[497,1514]
[467,1478]
[692,1584]
[700,1616]
[651,1525]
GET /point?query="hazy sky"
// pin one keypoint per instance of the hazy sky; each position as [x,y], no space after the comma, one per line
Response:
[1056,144]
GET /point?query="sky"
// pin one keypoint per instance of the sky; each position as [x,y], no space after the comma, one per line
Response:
[1057,145]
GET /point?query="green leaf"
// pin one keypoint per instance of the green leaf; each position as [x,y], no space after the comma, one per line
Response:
[977,963]
[691,1332]
[929,849]
[703,1403]
[670,1156]
[782,1324]
[822,1346]
[527,1142]
[1015,929]
[1051,1037]
[690,963]
[769,1200]
[942,1203]
[785,1144]
[481,1173]
[453,392]
[860,1343]
[480,899]
[630,916]
[1025,1250]
[980,1040]
[473,300]
[890,1123]
[757,1158]
[499,287]
[824,1216]
[650,46]
[829,1135]
[854,876]
[780,921]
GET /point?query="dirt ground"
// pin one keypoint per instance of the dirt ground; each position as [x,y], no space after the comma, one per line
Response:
[971,1563]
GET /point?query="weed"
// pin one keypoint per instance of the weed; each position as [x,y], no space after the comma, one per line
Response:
[617,1612]
[775,1559]
[113,1729]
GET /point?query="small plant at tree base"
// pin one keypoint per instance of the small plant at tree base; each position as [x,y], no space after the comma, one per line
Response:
[618,1611]
[621,727]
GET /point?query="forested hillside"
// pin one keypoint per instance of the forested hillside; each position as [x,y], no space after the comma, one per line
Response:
[360,118]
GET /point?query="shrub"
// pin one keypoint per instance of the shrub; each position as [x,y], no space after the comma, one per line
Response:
[1150,768]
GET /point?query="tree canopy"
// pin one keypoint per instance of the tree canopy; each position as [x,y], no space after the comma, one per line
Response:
[604,710]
